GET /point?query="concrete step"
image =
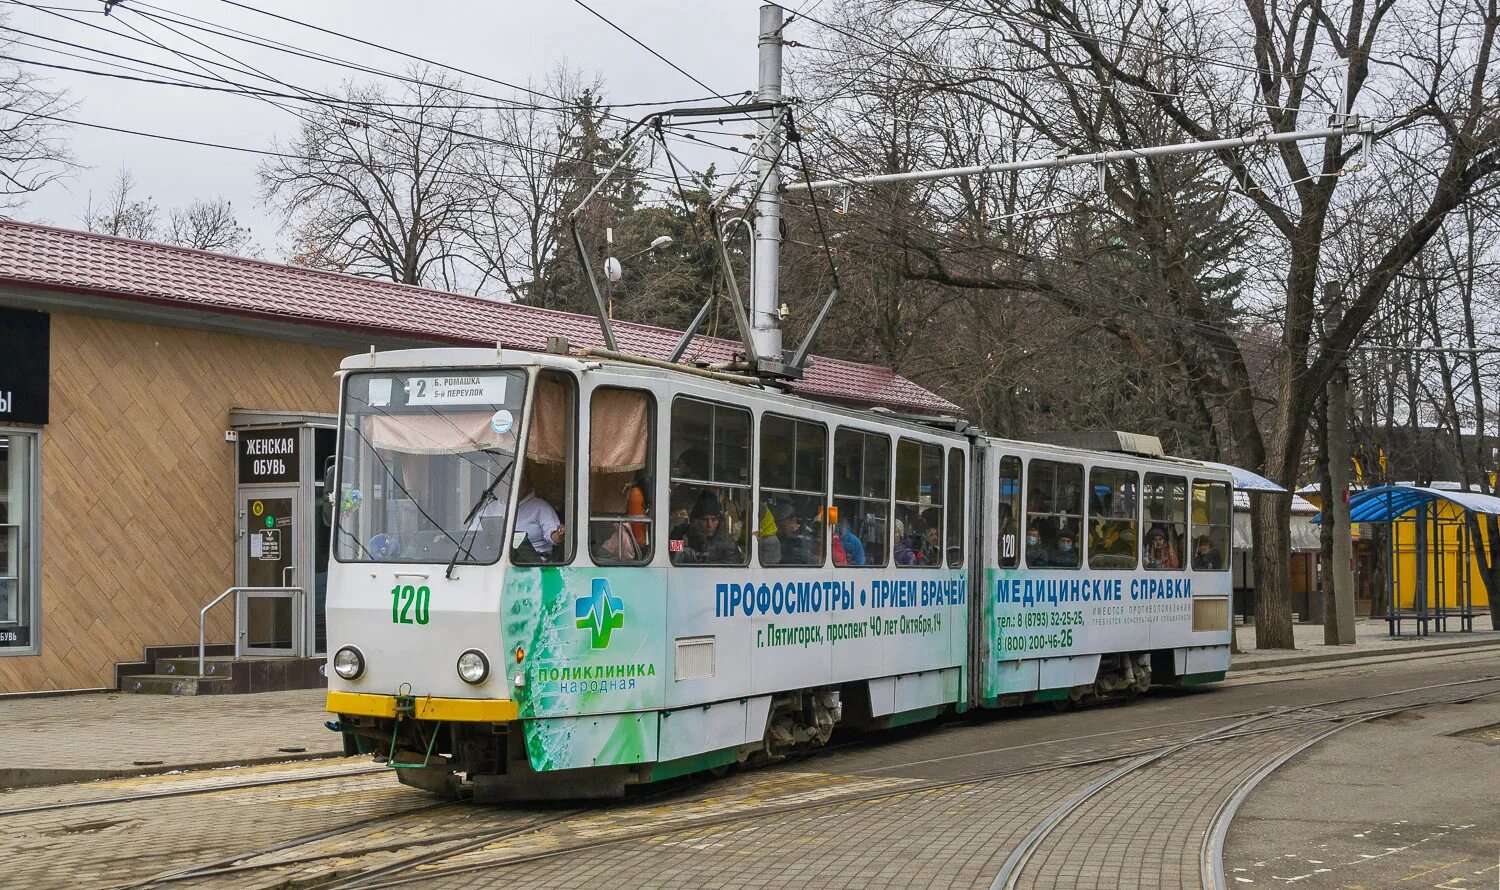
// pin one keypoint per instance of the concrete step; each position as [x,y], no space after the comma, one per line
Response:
[227,674]
[170,684]
[213,666]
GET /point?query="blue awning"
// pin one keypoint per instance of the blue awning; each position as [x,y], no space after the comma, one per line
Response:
[1244,480]
[1390,502]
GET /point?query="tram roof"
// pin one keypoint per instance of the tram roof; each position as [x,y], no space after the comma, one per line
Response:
[45,258]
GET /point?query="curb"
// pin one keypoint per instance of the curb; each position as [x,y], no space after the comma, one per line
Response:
[38,777]
[1355,653]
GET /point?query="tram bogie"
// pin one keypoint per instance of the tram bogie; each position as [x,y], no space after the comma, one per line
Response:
[561,578]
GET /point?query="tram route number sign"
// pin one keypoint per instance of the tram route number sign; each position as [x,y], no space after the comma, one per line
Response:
[269,456]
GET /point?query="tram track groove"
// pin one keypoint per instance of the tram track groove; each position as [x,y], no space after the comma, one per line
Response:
[922,787]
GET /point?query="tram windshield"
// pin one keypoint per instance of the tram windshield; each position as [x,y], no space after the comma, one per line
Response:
[428,459]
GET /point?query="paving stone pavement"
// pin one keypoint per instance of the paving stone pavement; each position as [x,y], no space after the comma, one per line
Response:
[76,737]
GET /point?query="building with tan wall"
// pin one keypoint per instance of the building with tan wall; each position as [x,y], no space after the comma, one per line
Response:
[124,368]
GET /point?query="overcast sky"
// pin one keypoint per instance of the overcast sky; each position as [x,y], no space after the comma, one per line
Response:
[507,39]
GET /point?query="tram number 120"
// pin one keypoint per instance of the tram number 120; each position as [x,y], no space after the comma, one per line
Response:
[411,604]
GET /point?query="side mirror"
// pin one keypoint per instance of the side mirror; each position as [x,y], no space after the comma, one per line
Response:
[329,494]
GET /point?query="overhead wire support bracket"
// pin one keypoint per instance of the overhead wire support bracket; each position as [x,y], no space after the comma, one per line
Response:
[647,127]
[1362,129]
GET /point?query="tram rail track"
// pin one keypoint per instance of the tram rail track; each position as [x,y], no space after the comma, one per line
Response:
[1211,868]
[184,792]
[386,873]
[773,810]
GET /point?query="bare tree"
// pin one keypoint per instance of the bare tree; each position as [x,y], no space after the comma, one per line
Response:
[379,193]
[210,225]
[1087,75]
[122,213]
[32,150]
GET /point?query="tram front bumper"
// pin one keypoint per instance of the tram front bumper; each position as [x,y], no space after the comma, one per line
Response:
[453,710]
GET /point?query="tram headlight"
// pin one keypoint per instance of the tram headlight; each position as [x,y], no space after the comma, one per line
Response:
[473,667]
[348,663]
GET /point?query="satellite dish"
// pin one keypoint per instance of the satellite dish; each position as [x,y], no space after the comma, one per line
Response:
[612,269]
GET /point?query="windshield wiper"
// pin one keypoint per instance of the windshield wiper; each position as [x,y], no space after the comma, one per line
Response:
[485,497]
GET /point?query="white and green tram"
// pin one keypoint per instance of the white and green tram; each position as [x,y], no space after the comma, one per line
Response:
[558,576]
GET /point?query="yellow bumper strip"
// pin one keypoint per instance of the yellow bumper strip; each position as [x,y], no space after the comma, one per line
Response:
[458,710]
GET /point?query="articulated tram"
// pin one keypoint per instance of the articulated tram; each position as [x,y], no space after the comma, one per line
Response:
[555,576]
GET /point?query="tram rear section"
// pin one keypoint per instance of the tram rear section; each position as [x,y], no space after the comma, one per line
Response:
[916,571]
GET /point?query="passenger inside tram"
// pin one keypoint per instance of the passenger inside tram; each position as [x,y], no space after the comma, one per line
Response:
[1065,552]
[1159,553]
[706,537]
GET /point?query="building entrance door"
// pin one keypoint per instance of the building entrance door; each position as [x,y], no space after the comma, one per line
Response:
[270,623]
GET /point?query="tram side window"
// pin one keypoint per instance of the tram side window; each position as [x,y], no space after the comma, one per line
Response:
[545,512]
[1114,497]
[622,436]
[1009,520]
[1165,543]
[861,495]
[1054,510]
[710,484]
[919,504]
[955,508]
[793,492]
[1211,507]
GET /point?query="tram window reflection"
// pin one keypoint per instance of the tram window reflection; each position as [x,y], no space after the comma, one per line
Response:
[622,438]
[710,483]
[1165,543]
[1009,520]
[861,496]
[1114,496]
[1054,511]
[793,494]
[1211,508]
[544,512]
[919,504]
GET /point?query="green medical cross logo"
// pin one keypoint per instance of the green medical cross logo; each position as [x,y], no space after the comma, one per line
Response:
[600,612]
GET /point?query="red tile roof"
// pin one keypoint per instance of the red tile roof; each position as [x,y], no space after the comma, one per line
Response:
[43,257]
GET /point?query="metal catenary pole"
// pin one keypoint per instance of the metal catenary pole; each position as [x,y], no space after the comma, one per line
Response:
[765,291]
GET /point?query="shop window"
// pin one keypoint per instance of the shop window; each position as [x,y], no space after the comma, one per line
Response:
[1054,511]
[861,495]
[1165,545]
[1211,508]
[545,511]
[622,439]
[710,484]
[19,527]
[1114,497]
[955,508]
[919,504]
[793,492]
[1009,521]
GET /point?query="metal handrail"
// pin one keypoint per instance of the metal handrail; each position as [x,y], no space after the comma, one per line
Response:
[298,594]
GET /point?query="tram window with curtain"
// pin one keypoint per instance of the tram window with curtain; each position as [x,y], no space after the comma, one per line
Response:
[1164,547]
[622,439]
[1211,508]
[1114,497]
[545,512]
[861,496]
[1009,520]
[1054,510]
[793,493]
[710,484]
[955,508]
[919,504]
